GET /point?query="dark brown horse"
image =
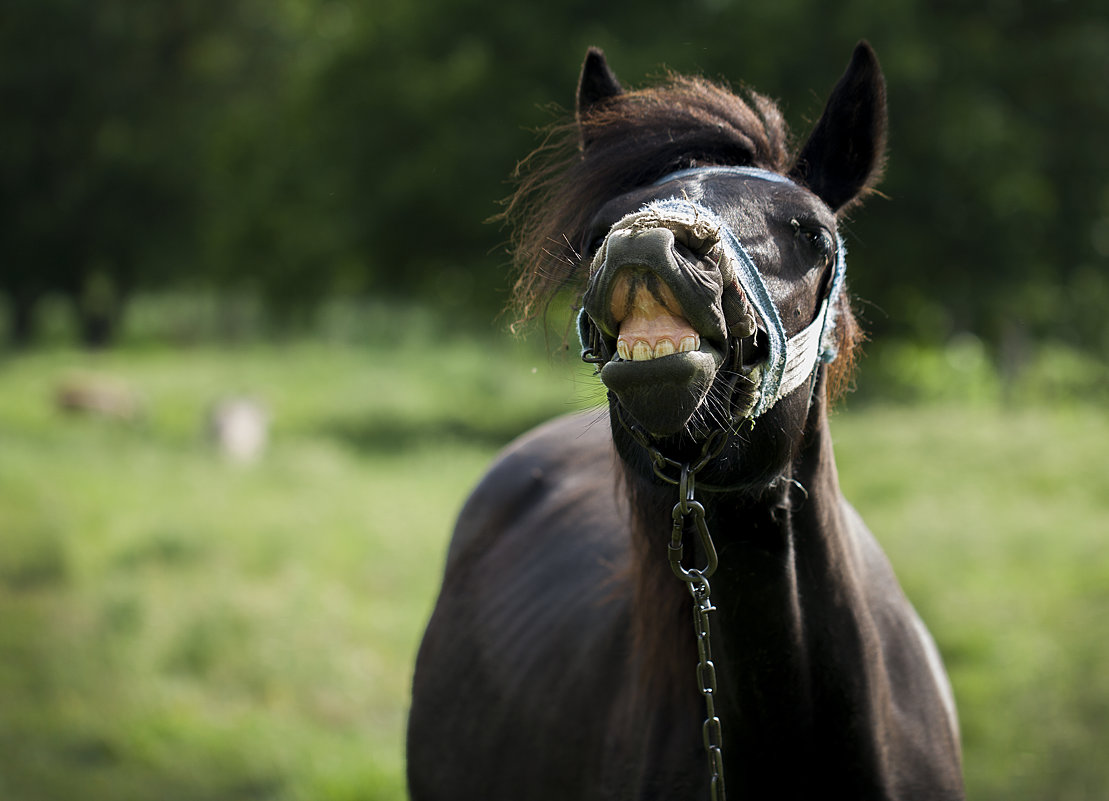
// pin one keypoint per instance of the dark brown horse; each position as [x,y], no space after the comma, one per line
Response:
[570,655]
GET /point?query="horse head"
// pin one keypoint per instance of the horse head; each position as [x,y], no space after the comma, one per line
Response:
[714,291]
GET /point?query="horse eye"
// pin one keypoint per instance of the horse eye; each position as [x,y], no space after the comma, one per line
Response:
[816,238]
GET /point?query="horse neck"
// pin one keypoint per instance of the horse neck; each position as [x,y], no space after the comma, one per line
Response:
[785,574]
[785,592]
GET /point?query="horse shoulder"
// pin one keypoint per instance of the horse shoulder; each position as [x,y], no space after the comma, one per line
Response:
[552,465]
[924,701]
[530,608]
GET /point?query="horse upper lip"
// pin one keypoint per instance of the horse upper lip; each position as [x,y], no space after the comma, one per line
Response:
[633,306]
[643,271]
[649,321]
[653,324]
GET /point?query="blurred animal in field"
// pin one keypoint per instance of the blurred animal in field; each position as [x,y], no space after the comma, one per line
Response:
[239,428]
[99,396]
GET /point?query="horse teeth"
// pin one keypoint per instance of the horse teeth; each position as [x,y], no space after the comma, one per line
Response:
[641,350]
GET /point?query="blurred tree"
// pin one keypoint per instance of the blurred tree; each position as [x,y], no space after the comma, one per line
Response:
[421,112]
[996,173]
[997,182]
[298,149]
[270,222]
[105,108]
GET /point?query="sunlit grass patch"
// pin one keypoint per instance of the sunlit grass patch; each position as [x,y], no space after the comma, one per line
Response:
[182,624]
[996,521]
[179,625]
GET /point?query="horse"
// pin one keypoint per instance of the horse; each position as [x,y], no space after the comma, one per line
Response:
[578,649]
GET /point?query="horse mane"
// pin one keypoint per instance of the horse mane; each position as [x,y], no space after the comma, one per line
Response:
[624,142]
[627,141]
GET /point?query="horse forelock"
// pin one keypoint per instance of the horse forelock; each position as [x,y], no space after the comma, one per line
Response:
[633,139]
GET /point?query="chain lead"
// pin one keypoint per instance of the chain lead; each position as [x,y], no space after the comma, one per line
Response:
[697,581]
[706,683]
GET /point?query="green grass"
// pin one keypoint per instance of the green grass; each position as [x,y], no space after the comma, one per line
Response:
[996,523]
[176,626]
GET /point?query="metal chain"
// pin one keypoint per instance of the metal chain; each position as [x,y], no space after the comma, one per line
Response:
[706,681]
[697,581]
[712,447]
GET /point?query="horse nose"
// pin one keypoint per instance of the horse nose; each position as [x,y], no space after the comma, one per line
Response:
[682,271]
[651,249]
[631,260]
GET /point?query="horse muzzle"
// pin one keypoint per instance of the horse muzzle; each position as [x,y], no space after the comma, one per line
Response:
[662,307]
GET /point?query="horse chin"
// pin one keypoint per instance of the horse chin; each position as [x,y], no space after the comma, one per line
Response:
[663,394]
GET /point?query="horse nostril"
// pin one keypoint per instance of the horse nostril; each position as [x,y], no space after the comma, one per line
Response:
[706,253]
[698,245]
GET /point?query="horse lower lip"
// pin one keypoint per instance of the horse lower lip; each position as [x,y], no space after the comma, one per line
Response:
[662,394]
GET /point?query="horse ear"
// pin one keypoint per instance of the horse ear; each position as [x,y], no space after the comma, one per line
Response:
[597,81]
[845,153]
[596,84]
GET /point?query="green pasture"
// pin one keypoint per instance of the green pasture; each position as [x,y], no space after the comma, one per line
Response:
[174,625]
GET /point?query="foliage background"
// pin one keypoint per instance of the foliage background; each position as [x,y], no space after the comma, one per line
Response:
[300,150]
[287,198]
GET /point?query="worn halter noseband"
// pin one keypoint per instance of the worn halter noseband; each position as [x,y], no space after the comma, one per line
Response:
[792,360]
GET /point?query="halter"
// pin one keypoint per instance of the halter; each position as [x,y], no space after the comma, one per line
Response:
[792,360]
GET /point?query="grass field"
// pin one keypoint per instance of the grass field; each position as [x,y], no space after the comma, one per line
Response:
[177,626]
